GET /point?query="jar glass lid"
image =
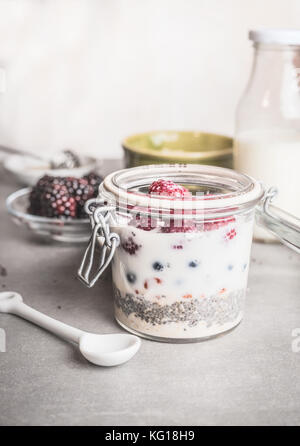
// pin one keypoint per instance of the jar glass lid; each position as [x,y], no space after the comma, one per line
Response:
[214,189]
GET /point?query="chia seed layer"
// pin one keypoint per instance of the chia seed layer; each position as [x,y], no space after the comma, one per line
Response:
[211,310]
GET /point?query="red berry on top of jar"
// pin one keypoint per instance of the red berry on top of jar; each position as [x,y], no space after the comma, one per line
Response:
[168,188]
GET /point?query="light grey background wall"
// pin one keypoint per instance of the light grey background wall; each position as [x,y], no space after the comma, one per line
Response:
[84,74]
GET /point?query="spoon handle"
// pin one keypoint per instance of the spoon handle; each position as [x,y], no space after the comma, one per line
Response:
[12,151]
[12,303]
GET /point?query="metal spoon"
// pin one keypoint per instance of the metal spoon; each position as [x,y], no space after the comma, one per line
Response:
[104,350]
[64,159]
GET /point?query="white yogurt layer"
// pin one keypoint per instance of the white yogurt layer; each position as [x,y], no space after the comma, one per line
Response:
[182,285]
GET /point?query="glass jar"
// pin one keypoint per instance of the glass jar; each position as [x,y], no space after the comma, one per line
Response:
[180,269]
[179,264]
[267,137]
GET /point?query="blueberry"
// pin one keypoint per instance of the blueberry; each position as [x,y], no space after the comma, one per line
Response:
[158,266]
[131,277]
[230,267]
[244,266]
[194,263]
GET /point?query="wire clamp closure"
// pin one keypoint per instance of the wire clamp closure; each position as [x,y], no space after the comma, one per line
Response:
[99,214]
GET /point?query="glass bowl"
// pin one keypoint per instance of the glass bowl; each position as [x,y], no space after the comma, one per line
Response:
[51,229]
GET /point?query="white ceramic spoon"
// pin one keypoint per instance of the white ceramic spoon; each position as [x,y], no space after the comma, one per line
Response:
[105,350]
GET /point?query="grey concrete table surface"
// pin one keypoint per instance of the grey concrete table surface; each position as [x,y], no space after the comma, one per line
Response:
[250,376]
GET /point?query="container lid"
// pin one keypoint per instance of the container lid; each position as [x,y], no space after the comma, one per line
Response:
[233,192]
[276,36]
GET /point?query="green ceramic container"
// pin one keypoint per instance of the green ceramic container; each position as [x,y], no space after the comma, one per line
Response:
[168,147]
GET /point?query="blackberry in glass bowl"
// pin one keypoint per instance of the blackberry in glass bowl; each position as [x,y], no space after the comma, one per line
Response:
[54,208]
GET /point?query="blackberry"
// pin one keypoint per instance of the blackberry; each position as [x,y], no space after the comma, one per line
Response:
[50,198]
[80,189]
[57,197]
[94,180]
[35,198]
[57,202]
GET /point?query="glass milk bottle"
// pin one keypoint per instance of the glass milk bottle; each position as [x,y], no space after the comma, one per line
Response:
[267,139]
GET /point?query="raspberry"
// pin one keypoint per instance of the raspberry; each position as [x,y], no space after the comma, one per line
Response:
[162,188]
[177,247]
[168,188]
[231,234]
[218,223]
[186,226]
[130,246]
[142,222]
